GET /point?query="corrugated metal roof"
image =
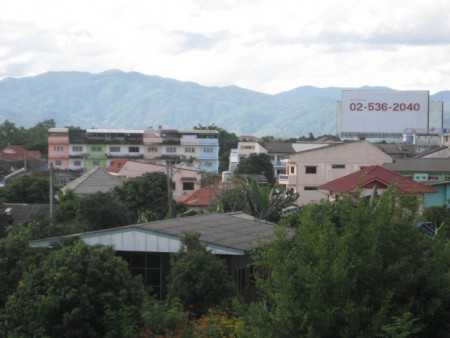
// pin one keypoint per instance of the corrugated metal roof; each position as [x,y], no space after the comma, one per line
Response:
[235,232]
[24,212]
[93,181]
[419,165]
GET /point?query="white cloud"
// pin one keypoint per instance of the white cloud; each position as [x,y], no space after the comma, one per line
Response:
[265,45]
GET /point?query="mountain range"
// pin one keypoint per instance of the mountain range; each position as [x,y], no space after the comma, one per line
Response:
[117,99]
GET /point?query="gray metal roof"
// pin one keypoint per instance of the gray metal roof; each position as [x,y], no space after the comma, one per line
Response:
[93,181]
[234,233]
[24,212]
[235,230]
[279,147]
[419,165]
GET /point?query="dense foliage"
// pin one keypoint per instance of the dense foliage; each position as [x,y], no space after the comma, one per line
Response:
[198,278]
[77,291]
[145,193]
[356,269]
[26,189]
[257,164]
[34,138]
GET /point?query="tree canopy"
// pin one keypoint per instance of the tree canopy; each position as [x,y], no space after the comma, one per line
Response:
[34,138]
[26,189]
[198,278]
[257,164]
[145,193]
[356,269]
[77,291]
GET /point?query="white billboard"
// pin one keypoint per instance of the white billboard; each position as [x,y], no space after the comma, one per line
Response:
[384,111]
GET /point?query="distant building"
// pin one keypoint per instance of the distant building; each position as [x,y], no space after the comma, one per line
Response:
[276,150]
[95,180]
[184,180]
[371,178]
[307,170]
[82,150]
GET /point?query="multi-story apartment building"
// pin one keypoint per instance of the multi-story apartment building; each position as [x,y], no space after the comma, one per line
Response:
[82,150]
[196,149]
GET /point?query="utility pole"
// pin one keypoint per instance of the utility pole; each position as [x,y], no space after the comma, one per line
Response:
[51,193]
[169,186]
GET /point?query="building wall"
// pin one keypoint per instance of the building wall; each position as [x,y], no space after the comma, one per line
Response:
[100,146]
[440,198]
[307,170]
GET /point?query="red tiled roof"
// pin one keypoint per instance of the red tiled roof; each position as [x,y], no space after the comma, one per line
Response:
[376,174]
[17,152]
[199,198]
[116,164]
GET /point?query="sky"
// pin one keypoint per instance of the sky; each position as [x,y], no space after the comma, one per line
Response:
[268,46]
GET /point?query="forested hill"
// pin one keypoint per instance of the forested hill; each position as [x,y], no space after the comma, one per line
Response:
[115,99]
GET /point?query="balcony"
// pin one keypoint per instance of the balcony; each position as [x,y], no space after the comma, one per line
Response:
[77,155]
[287,179]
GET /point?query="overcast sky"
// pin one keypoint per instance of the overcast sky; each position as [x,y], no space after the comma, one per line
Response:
[264,45]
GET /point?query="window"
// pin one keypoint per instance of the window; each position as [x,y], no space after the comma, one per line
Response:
[96,163]
[188,185]
[58,148]
[291,169]
[311,170]
[433,178]
[96,148]
[338,166]
[114,149]
[189,150]
[77,163]
[147,265]
[152,149]
[247,147]
[58,162]
[133,149]
[208,163]
[77,148]
[174,186]
[208,150]
[310,188]
[171,149]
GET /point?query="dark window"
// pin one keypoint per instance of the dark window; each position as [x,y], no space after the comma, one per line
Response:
[310,188]
[338,166]
[188,185]
[133,149]
[311,170]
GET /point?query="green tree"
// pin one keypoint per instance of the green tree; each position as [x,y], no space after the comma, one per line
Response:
[37,136]
[67,206]
[10,134]
[145,193]
[103,210]
[198,278]
[256,164]
[267,202]
[26,189]
[77,291]
[354,269]
[437,215]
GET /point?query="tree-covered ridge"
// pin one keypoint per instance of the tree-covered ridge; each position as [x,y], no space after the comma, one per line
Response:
[132,100]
